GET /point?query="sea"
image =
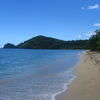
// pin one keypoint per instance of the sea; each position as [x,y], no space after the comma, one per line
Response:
[27,74]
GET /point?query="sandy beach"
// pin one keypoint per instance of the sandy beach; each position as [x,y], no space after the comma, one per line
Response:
[87,84]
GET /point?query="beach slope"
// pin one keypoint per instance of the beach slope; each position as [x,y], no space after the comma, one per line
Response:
[87,84]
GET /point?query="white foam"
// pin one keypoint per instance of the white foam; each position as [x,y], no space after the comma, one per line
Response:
[65,87]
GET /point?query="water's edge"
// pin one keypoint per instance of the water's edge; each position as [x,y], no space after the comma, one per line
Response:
[66,85]
[64,88]
[40,75]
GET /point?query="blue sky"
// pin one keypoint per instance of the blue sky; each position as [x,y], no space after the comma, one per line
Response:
[62,19]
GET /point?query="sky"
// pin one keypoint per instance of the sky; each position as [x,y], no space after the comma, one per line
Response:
[63,19]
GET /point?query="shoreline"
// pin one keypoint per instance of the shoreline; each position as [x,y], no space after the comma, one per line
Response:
[86,86]
[66,85]
[64,90]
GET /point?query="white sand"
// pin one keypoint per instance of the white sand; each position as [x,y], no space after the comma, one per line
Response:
[87,84]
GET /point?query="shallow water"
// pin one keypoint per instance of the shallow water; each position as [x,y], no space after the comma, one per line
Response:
[35,74]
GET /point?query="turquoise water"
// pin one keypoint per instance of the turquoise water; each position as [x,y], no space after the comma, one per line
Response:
[35,74]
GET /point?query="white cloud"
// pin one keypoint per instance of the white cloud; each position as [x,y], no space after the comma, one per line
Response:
[96,6]
[97,24]
[91,7]
[79,36]
[89,34]
[86,35]
[83,8]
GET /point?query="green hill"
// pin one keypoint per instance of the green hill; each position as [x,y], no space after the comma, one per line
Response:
[9,45]
[43,42]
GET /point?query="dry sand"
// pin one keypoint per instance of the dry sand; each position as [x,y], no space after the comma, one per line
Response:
[87,84]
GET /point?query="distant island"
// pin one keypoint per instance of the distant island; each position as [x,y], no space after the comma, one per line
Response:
[9,45]
[43,42]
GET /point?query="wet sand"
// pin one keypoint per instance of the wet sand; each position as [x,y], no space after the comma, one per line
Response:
[87,84]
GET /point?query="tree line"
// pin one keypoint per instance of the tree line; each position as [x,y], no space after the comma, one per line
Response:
[43,42]
[94,41]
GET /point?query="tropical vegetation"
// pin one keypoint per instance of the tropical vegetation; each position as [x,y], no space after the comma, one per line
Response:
[94,41]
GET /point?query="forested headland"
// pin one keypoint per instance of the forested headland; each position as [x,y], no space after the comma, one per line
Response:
[43,42]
